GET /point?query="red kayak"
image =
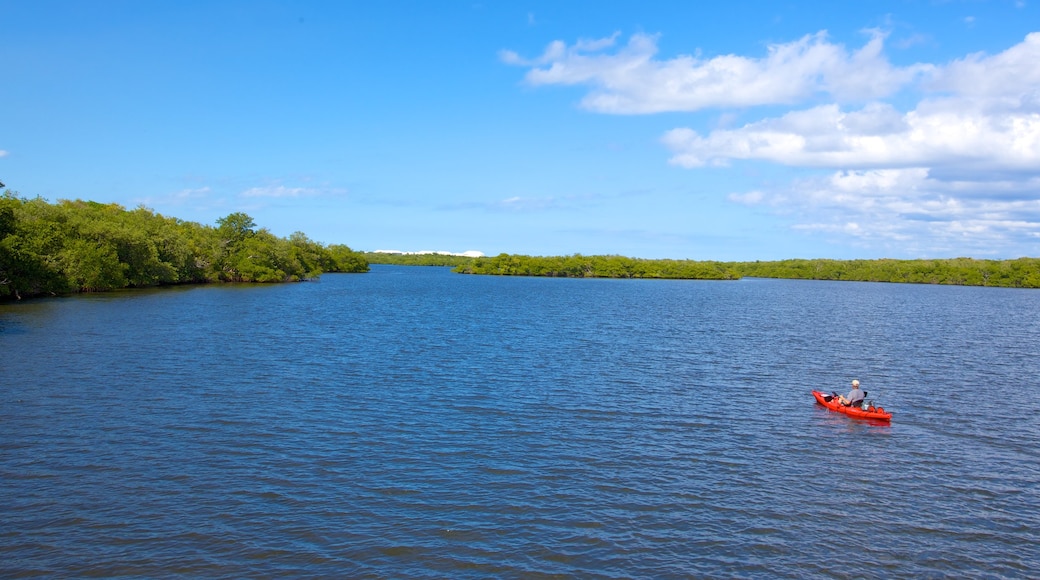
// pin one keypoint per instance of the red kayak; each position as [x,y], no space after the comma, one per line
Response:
[871,412]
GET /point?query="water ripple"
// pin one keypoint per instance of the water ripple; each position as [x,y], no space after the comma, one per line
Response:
[410,423]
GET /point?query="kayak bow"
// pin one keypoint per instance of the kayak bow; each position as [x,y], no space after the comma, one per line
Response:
[871,412]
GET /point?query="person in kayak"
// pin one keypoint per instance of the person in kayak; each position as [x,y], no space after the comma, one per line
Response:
[855,398]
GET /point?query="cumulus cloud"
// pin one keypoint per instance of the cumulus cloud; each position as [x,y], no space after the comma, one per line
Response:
[630,80]
[981,112]
[907,212]
[959,167]
[1012,75]
[933,135]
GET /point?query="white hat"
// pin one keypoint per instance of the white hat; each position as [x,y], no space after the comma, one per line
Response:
[855,383]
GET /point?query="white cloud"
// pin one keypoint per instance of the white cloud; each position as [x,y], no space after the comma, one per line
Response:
[1012,75]
[630,80]
[959,173]
[193,198]
[517,203]
[908,212]
[985,125]
[275,191]
[177,198]
[3,153]
[208,198]
[956,172]
[748,198]
[558,50]
[281,191]
[937,134]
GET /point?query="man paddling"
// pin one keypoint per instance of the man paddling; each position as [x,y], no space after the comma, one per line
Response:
[855,398]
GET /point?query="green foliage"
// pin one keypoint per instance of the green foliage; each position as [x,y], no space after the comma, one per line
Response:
[235,228]
[417,259]
[347,260]
[6,217]
[77,246]
[91,266]
[1020,273]
[579,266]
[84,246]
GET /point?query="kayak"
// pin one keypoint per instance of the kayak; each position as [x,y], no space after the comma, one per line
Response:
[871,412]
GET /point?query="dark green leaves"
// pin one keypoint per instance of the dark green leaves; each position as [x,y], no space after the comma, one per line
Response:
[87,246]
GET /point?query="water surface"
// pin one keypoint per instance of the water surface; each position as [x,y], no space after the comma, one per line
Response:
[413,423]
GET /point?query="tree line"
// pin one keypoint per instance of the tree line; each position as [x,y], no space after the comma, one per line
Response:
[579,266]
[85,246]
[416,259]
[1019,273]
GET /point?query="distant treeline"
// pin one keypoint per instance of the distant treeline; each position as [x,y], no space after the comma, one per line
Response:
[416,259]
[84,246]
[1020,273]
[579,266]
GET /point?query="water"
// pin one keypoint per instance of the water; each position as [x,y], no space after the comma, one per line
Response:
[413,423]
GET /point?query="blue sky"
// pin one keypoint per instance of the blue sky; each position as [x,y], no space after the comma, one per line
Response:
[730,131]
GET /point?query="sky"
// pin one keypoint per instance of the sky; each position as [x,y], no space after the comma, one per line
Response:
[689,130]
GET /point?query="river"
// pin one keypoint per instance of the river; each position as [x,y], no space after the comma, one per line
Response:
[414,423]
